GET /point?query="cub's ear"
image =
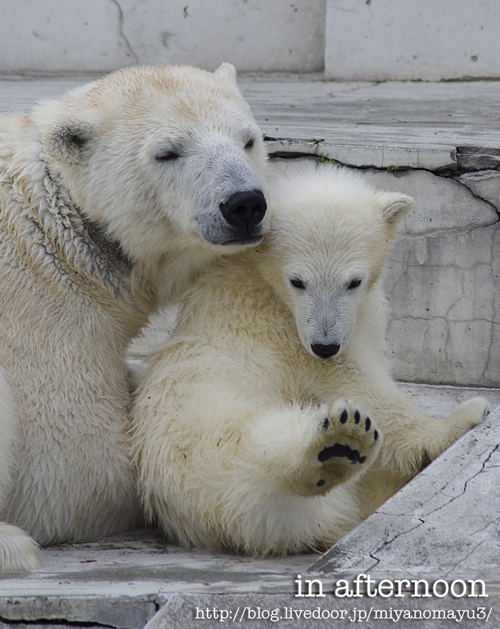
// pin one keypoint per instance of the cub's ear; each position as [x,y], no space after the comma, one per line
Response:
[66,139]
[227,72]
[395,206]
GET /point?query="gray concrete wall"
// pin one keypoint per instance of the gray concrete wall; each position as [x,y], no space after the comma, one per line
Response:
[352,39]
[102,35]
[442,279]
[388,40]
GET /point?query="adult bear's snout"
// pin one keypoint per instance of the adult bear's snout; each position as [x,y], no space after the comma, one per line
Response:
[245,209]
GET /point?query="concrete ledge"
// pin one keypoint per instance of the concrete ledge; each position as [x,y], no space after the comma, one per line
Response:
[429,126]
[432,126]
[263,611]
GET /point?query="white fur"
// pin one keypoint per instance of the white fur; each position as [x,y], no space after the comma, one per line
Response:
[75,293]
[237,419]
[17,548]
[9,427]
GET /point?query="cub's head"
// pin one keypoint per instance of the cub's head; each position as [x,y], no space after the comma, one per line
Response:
[330,236]
[161,156]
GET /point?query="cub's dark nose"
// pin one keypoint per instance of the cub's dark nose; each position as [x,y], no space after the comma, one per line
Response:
[244,209]
[325,351]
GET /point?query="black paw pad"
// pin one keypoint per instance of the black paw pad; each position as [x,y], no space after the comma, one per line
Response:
[338,450]
[375,435]
[343,417]
[320,483]
[357,417]
[325,424]
[368,423]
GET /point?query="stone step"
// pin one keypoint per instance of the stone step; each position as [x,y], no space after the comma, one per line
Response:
[427,125]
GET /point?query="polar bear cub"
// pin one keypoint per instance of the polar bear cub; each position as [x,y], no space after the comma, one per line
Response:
[269,422]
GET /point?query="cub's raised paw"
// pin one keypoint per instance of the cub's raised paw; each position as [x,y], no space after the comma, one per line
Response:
[344,442]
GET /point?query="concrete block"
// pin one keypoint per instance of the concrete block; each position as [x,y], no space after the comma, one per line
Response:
[57,35]
[444,318]
[117,611]
[484,184]
[441,203]
[387,40]
[471,158]
[97,35]
[442,279]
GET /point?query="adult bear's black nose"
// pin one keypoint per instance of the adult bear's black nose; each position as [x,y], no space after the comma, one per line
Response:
[245,209]
[325,351]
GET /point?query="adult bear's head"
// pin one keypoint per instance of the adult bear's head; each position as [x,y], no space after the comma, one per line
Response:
[165,159]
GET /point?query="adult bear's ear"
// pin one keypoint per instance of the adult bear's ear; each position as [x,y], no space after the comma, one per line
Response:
[395,206]
[227,72]
[67,139]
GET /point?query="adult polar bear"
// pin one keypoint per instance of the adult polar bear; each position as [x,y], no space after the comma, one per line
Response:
[275,390]
[112,198]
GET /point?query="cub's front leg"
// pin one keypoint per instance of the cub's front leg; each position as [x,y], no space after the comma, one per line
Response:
[316,448]
[461,419]
[413,439]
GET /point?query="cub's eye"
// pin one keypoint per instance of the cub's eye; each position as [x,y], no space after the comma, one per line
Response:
[249,144]
[296,283]
[354,284]
[167,156]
